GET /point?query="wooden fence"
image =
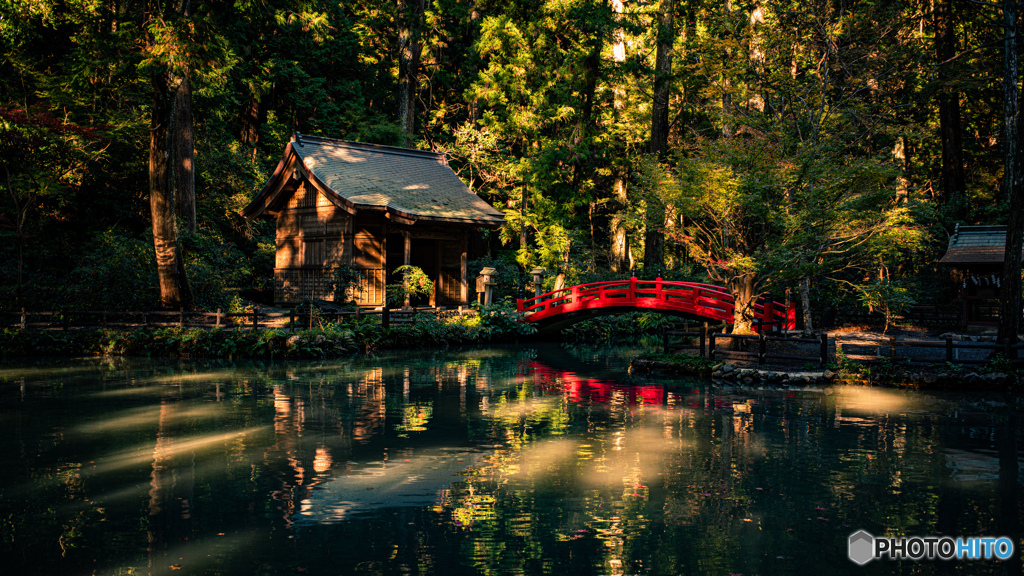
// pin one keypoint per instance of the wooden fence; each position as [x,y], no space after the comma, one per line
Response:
[923,351]
[253,320]
[707,344]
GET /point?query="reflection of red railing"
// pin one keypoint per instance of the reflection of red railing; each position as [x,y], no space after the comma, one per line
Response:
[579,389]
[698,300]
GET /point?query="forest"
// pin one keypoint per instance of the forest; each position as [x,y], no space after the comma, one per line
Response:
[827,147]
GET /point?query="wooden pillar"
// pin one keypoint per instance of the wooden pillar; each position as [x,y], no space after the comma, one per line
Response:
[408,257]
[464,289]
[437,272]
[383,266]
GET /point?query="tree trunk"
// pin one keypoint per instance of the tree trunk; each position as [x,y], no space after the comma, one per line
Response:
[619,260]
[184,147]
[950,133]
[654,236]
[727,83]
[805,303]
[174,289]
[654,240]
[410,13]
[743,315]
[618,256]
[1010,299]
[474,68]
[662,77]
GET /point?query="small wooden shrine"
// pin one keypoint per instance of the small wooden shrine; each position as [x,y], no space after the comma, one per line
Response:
[976,255]
[372,208]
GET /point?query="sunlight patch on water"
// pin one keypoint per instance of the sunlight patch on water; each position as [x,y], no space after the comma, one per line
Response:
[419,480]
[542,458]
[870,400]
[149,415]
[143,453]
[189,377]
[133,391]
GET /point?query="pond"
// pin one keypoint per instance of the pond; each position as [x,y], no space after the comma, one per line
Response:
[505,460]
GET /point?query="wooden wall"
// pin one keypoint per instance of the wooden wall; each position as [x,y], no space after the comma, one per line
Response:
[314,237]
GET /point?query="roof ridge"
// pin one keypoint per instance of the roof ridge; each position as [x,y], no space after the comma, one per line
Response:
[984,228]
[323,140]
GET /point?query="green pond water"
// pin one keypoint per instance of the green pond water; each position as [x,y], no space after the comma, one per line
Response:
[517,460]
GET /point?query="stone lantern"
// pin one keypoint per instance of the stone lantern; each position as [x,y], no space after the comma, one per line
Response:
[538,280]
[485,283]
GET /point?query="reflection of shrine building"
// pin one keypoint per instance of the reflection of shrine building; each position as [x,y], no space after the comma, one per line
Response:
[976,255]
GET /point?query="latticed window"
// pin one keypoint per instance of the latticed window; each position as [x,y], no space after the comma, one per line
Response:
[313,253]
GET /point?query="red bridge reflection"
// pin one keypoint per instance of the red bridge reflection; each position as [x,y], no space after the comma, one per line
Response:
[584,390]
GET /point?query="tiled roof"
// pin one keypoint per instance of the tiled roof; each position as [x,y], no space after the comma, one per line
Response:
[412,184]
[976,245]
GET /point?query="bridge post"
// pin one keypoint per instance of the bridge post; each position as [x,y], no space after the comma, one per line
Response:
[768,309]
[790,310]
[711,346]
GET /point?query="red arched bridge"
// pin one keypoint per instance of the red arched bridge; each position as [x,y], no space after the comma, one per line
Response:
[702,302]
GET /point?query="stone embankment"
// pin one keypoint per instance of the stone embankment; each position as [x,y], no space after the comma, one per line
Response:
[924,377]
[748,376]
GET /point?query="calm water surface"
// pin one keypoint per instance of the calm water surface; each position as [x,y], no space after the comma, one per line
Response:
[525,460]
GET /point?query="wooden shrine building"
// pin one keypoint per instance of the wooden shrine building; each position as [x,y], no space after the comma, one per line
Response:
[372,208]
[976,255]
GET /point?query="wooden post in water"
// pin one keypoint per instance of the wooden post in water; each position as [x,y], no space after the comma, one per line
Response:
[703,340]
[385,317]
[711,346]
[256,318]
[762,343]
[823,351]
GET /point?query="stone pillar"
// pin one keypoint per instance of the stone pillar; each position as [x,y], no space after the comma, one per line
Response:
[538,280]
[485,284]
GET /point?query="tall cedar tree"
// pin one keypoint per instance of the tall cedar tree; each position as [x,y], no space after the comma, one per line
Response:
[170,124]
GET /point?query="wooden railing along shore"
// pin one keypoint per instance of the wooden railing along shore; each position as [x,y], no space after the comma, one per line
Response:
[253,320]
[706,340]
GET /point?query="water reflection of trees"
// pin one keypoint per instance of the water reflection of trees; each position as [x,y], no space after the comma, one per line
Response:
[559,471]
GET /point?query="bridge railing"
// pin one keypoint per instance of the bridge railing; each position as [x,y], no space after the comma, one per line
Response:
[704,300]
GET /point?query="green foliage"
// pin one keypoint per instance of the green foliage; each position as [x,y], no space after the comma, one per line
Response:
[116,273]
[891,298]
[804,138]
[618,329]
[415,284]
[508,276]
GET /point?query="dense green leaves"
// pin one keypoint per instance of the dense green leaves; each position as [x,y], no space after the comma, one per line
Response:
[804,141]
